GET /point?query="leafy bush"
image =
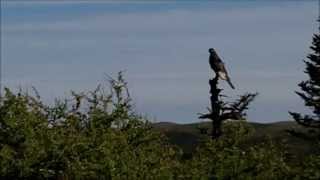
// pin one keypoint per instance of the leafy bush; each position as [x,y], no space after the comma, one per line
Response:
[227,158]
[97,135]
[94,135]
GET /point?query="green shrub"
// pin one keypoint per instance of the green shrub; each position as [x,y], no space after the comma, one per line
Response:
[94,136]
[227,158]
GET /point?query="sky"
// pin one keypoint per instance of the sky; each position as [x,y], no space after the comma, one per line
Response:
[162,47]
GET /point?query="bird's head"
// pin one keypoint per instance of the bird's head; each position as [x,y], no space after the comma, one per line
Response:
[211,50]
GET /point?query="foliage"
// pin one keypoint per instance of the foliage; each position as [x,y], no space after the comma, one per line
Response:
[97,135]
[311,87]
[92,136]
[226,158]
[311,167]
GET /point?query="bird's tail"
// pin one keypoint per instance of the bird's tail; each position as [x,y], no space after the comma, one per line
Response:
[230,83]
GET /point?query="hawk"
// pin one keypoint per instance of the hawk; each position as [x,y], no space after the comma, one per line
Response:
[218,67]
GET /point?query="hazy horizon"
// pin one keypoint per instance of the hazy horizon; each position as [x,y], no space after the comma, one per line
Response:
[163,49]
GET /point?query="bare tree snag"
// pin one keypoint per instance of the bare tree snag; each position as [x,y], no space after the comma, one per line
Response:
[221,111]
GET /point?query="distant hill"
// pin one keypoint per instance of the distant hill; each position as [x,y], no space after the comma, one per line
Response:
[187,136]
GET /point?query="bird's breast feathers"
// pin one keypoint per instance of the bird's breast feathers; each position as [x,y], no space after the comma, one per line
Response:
[223,75]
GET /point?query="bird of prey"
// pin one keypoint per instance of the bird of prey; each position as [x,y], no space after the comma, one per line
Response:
[218,67]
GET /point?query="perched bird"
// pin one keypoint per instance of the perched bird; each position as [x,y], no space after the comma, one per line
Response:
[218,67]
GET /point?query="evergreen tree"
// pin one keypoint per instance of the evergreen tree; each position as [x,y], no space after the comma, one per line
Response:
[311,87]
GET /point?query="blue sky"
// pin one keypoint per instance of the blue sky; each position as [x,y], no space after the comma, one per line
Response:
[162,46]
